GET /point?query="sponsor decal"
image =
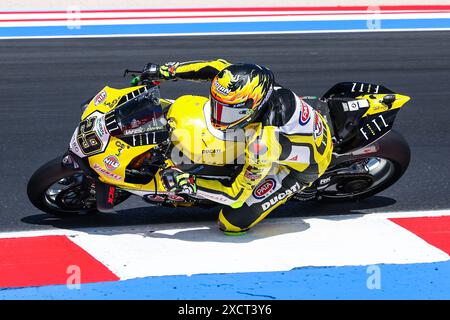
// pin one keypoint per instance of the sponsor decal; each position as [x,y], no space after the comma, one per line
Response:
[305,114]
[74,147]
[324,181]
[221,88]
[106,173]
[209,151]
[111,162]
[156,198]
[111,195]
[99,128]
[380,108]
[308,97]
[355,105]
[246,112]
[134,131]
[214,197]
[294,158]
[147,138]
[141,126]
[120,146]
[264,188]
[280,196]
[111,104]
[175,198]
[365,88]
[100,98]
[249,174]
[197,169]
[318,127]
[352,105]
[369,149]
[374,127]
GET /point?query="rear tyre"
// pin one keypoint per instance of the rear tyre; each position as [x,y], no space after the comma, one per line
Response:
[384,172]
[384,168]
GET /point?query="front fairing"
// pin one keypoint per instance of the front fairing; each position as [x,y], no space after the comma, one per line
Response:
[109,98]
[107,154]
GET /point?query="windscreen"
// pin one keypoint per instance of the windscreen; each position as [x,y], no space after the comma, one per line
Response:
[141,114]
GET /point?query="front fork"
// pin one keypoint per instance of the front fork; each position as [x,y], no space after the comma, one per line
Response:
[104,193]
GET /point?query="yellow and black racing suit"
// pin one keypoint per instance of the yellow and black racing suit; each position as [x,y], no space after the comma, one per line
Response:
[289,148]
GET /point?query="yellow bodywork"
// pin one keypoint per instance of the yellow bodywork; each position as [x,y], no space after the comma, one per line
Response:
[116,147]
[376,104]
[111,100]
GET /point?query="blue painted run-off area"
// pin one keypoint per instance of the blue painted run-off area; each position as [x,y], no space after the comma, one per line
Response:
[401,281]
[222,27]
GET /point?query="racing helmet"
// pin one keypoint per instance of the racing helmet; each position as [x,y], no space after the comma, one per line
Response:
[238,93]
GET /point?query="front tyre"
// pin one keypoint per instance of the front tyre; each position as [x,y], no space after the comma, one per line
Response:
[58,190]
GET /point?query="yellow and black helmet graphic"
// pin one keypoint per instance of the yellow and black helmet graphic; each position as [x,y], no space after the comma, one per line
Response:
[238,92]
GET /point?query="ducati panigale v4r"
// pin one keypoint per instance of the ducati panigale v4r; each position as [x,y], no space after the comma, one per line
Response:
[123,143]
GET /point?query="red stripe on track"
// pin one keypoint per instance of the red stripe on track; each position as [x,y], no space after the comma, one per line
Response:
[252,9]
[38,261]
[434,230]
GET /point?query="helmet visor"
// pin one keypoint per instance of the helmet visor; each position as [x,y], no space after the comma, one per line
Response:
[224,115]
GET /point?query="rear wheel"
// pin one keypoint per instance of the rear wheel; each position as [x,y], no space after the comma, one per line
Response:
[377,174]
[61,191]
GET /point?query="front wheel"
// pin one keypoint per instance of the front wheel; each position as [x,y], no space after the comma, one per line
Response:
[58,190]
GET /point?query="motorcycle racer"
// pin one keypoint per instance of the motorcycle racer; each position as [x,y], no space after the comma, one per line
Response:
[288,143]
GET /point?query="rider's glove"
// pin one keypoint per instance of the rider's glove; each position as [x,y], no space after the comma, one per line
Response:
[177,181]
[154,71]
[168,70]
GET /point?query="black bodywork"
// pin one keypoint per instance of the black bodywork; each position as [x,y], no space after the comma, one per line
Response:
[351,130]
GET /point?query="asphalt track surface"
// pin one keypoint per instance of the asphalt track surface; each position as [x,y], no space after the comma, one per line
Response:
[43,82]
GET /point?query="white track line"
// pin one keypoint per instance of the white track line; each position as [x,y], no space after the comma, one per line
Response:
[220,33]
[172,21]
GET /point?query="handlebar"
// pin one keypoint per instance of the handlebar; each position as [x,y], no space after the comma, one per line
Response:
[127,71]
[136,79]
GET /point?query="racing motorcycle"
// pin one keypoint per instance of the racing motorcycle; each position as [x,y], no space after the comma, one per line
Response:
[123,143]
